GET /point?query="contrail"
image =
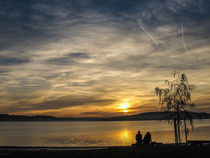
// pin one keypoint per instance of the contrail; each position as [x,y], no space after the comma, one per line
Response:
[184,42]
[149,35]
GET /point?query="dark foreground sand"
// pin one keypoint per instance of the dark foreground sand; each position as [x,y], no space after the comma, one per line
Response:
[162,151]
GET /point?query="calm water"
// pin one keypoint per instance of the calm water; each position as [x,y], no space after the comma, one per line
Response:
[91,133]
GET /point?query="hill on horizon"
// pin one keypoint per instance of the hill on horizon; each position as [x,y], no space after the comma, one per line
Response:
[141,116]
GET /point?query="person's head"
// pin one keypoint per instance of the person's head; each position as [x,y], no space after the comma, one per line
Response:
[139,132]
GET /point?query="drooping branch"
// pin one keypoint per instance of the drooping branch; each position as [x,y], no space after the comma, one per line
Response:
[176,101]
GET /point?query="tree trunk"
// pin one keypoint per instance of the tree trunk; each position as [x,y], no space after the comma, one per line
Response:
[175,131]
[179,133]
[185,131]
[178,123]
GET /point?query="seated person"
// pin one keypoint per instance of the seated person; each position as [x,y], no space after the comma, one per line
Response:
[138,138]
[147,138]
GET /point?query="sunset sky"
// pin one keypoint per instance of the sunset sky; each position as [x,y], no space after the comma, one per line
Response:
[100,58]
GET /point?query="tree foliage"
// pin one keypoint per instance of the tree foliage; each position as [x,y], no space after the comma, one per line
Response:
[175,100]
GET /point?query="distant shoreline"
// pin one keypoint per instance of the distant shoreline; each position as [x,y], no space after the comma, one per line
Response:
[84,120]
[35,148]
[149,116]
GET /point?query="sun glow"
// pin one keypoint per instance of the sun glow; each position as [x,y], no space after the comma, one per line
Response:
[124,106]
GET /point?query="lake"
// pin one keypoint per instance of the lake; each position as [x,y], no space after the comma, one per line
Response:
[94,133]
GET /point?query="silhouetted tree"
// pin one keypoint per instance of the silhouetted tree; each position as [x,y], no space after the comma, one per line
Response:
[176,102]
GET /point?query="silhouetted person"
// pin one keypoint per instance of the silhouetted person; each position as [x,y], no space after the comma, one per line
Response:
[139,138]
[147,138]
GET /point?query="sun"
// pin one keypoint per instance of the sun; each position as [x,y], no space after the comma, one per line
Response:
[124,106]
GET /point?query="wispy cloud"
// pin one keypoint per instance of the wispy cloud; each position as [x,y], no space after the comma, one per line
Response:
[183,41]
[150,36]
[57,57]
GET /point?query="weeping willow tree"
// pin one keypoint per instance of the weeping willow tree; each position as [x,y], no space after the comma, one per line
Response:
[175,100]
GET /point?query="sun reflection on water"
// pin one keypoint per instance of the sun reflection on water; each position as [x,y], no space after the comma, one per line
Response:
[125,136]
